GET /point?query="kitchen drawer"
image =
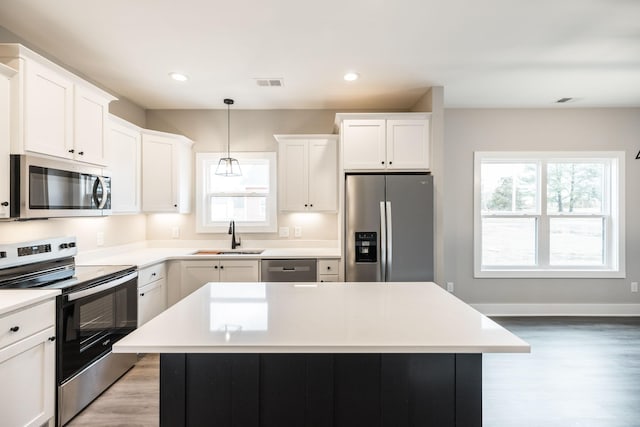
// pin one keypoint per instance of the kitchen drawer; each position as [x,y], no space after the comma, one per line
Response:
[328,266]
[28,321]
[151,274]
[328,278]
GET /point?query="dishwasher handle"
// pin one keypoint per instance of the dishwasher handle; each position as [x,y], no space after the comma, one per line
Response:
[288,269]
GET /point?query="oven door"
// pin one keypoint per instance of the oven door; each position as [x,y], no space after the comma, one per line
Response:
[91,320]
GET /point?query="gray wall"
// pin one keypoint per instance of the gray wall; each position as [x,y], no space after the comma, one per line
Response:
[470,130]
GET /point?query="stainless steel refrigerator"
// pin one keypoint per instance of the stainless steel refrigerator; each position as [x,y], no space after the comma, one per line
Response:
[389,228]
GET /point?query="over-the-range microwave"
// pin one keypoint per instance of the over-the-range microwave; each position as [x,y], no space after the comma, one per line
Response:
[49,188]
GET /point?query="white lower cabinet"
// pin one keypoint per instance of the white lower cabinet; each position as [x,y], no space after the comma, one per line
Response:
[328,270]
[27,366]
[152,292]
[194,274]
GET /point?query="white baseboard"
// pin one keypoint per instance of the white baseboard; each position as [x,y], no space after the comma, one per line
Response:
[558,309]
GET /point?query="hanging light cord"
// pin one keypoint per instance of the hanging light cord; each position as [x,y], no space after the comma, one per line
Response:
[228,131]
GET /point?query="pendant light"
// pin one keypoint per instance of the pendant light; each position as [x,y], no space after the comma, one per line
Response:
[228,166]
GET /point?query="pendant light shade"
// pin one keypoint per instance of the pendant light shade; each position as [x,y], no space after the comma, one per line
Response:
[228,166]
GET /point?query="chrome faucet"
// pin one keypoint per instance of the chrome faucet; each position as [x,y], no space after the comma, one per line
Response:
[232,230]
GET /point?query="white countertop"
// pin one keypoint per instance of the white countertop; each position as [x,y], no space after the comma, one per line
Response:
[144,257]
[321,318]
[15,299]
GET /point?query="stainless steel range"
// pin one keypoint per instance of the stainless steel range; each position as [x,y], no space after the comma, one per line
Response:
[98,306]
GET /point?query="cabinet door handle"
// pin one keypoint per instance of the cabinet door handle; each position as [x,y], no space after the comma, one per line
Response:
[14,328]
[51,339]
[4,203]
[72,151]
[81,153]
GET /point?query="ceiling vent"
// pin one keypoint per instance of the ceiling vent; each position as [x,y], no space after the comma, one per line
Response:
[273,82]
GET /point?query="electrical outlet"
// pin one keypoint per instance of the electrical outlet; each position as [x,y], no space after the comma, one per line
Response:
[450,287]
[283,232]
[175,232]
[634,286]
[297,231]
[100,238]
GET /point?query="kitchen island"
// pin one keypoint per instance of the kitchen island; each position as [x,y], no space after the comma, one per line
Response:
[303,354]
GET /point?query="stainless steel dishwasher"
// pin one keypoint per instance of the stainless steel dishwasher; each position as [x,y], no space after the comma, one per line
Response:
[289,270]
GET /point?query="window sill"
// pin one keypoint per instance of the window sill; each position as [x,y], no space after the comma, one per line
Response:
[550,274]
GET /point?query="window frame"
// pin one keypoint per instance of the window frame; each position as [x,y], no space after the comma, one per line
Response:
[203,194]
[613,212]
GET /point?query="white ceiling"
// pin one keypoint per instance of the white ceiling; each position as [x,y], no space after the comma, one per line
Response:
[490,53]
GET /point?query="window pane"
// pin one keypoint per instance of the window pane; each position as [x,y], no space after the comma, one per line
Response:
[509,187]
[251,209]
[576,241]
[254,178]
[575,188]
[508,241]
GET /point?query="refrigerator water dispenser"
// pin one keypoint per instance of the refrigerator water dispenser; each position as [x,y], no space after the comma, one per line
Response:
[366,246]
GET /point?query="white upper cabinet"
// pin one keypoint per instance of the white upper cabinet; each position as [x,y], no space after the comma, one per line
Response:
[54,112]
[125,162]
[377,141]
[308,173]
[6,74]
[166,172]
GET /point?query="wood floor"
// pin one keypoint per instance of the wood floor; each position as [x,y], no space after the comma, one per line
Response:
[581,372]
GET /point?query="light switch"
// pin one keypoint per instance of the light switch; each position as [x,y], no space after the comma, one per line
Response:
[297,231]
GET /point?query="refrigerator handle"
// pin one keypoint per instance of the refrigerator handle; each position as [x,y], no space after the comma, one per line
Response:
[383,243]
[389,242]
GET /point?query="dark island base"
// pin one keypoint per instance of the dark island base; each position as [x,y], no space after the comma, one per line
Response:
[321,390]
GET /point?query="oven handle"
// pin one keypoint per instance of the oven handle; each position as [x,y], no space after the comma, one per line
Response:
[94,290]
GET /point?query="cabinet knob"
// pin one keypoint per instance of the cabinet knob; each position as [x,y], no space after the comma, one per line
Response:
[221,267]
[390,163]
[215,266]
[52,339]
[81,153]
[311,205]
[4,203]
[175,206]
[72,151]
[14,328]
[305,205]
[328,267]
[142,294]
[153,274]
[382,163]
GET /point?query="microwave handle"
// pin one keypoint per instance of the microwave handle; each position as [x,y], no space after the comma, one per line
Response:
[100,202]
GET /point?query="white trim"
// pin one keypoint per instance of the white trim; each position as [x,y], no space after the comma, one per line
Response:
[558,309]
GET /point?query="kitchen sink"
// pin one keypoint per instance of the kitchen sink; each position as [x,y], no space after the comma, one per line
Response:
[228,252]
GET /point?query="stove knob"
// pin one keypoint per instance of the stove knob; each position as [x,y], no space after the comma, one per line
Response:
[14,328]
[63,246]
[52,338]
[72,244]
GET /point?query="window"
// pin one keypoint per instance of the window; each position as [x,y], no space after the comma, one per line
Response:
[249,200]
[549,214]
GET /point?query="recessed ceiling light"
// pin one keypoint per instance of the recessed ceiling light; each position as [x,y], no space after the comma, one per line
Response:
[351,76]
[179,77]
